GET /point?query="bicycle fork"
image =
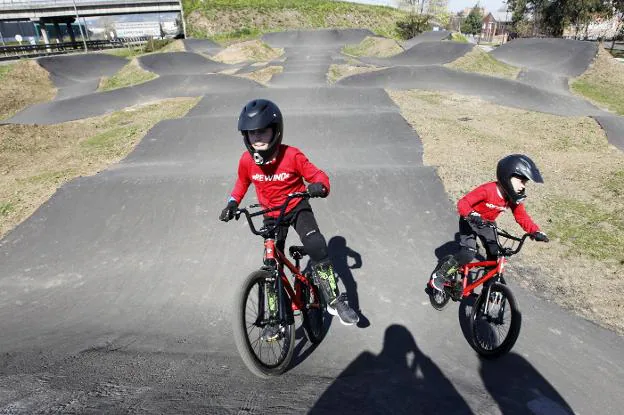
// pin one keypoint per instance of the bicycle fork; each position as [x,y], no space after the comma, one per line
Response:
[276,299]
[494,300]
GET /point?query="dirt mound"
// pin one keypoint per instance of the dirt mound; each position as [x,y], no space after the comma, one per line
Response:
[252,50]
[376,46]
[425,53]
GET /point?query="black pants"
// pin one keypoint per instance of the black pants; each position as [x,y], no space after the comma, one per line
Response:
[302,219]
[468,235]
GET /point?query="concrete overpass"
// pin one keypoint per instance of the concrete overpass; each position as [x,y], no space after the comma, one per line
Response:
[67,11]
[59,9]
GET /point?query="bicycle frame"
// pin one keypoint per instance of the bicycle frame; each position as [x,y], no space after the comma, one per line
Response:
[498,265]
[275,256]
[275,260]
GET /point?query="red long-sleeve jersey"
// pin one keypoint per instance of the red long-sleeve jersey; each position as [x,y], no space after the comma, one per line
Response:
[275,180]
[487,201]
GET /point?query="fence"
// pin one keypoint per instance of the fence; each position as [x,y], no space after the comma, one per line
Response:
[28,51]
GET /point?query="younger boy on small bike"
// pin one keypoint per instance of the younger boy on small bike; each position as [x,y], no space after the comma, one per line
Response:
[277,170]
[483,204]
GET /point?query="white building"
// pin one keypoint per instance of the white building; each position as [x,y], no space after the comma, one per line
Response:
[137,29]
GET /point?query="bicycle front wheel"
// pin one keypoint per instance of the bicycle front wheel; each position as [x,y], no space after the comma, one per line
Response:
[264,358]
[495,321]
[313,311]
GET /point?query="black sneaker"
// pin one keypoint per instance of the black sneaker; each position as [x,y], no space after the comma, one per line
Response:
[341,308]
[270,332]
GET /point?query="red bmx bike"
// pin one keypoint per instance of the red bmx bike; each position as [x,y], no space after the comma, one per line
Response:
[495,319]
[267,297]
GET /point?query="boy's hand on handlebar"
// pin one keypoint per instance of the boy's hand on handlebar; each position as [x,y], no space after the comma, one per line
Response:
[317,190]
[229,211]
[540,237]
[476,219]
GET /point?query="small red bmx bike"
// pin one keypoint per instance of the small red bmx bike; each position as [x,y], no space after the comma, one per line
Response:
[495,319]
[267,297]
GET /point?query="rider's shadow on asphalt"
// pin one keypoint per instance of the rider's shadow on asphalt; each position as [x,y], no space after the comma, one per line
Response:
[452,247]
[344,260]
[518,388]
[448,248]
[399,380]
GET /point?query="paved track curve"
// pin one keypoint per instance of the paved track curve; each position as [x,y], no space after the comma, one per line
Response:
[116,295]
[431,36]
[424,53]
[548,63]
[76,75]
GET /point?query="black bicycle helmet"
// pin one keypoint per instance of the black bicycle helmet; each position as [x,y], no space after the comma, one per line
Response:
[516,165]
[257,114]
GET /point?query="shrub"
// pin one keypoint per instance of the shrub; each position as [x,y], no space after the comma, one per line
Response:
[414,25]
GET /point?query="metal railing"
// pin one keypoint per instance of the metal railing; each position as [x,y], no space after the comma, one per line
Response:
[39,3]
[26,51]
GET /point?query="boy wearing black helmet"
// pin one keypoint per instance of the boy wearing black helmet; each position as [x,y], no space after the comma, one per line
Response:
[484,204]
[276,170]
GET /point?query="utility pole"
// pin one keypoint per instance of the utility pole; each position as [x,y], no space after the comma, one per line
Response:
[84,42]
[182,18]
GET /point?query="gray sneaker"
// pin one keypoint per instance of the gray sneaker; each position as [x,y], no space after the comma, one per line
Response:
[341,308]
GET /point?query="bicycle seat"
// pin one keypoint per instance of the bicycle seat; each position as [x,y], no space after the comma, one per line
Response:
[297,252]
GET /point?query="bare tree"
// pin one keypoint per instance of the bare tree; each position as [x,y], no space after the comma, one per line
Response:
[108,23]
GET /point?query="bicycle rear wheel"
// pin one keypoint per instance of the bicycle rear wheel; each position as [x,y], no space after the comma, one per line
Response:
[495,321]
[251,314]
[313,311]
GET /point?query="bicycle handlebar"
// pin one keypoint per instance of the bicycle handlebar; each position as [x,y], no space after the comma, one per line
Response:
[282,208]
[501,232]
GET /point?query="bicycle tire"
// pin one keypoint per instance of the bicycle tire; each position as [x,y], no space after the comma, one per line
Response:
[313,313]
[245,323]
[484,329]
[439,300]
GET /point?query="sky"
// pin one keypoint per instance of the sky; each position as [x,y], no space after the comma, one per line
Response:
[453,6]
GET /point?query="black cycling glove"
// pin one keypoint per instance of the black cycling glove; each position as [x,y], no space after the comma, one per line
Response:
[229,211]
[476,219]
[540,237]
[317,190]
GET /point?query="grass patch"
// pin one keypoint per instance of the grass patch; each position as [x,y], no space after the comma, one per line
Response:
[263,75]
[253,50]
[153,45]
[22,84]
[130,75]
[373,46]
[478,61]
[4,71]
[337,72]
[579,205]
[226,21]
[458,37]
[603,83]
[613,184]
[6,208]
[238,35]
[109,140]
[35,160]
[590,229]
[127,53]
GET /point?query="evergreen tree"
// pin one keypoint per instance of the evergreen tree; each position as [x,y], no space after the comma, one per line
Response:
[474,20]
